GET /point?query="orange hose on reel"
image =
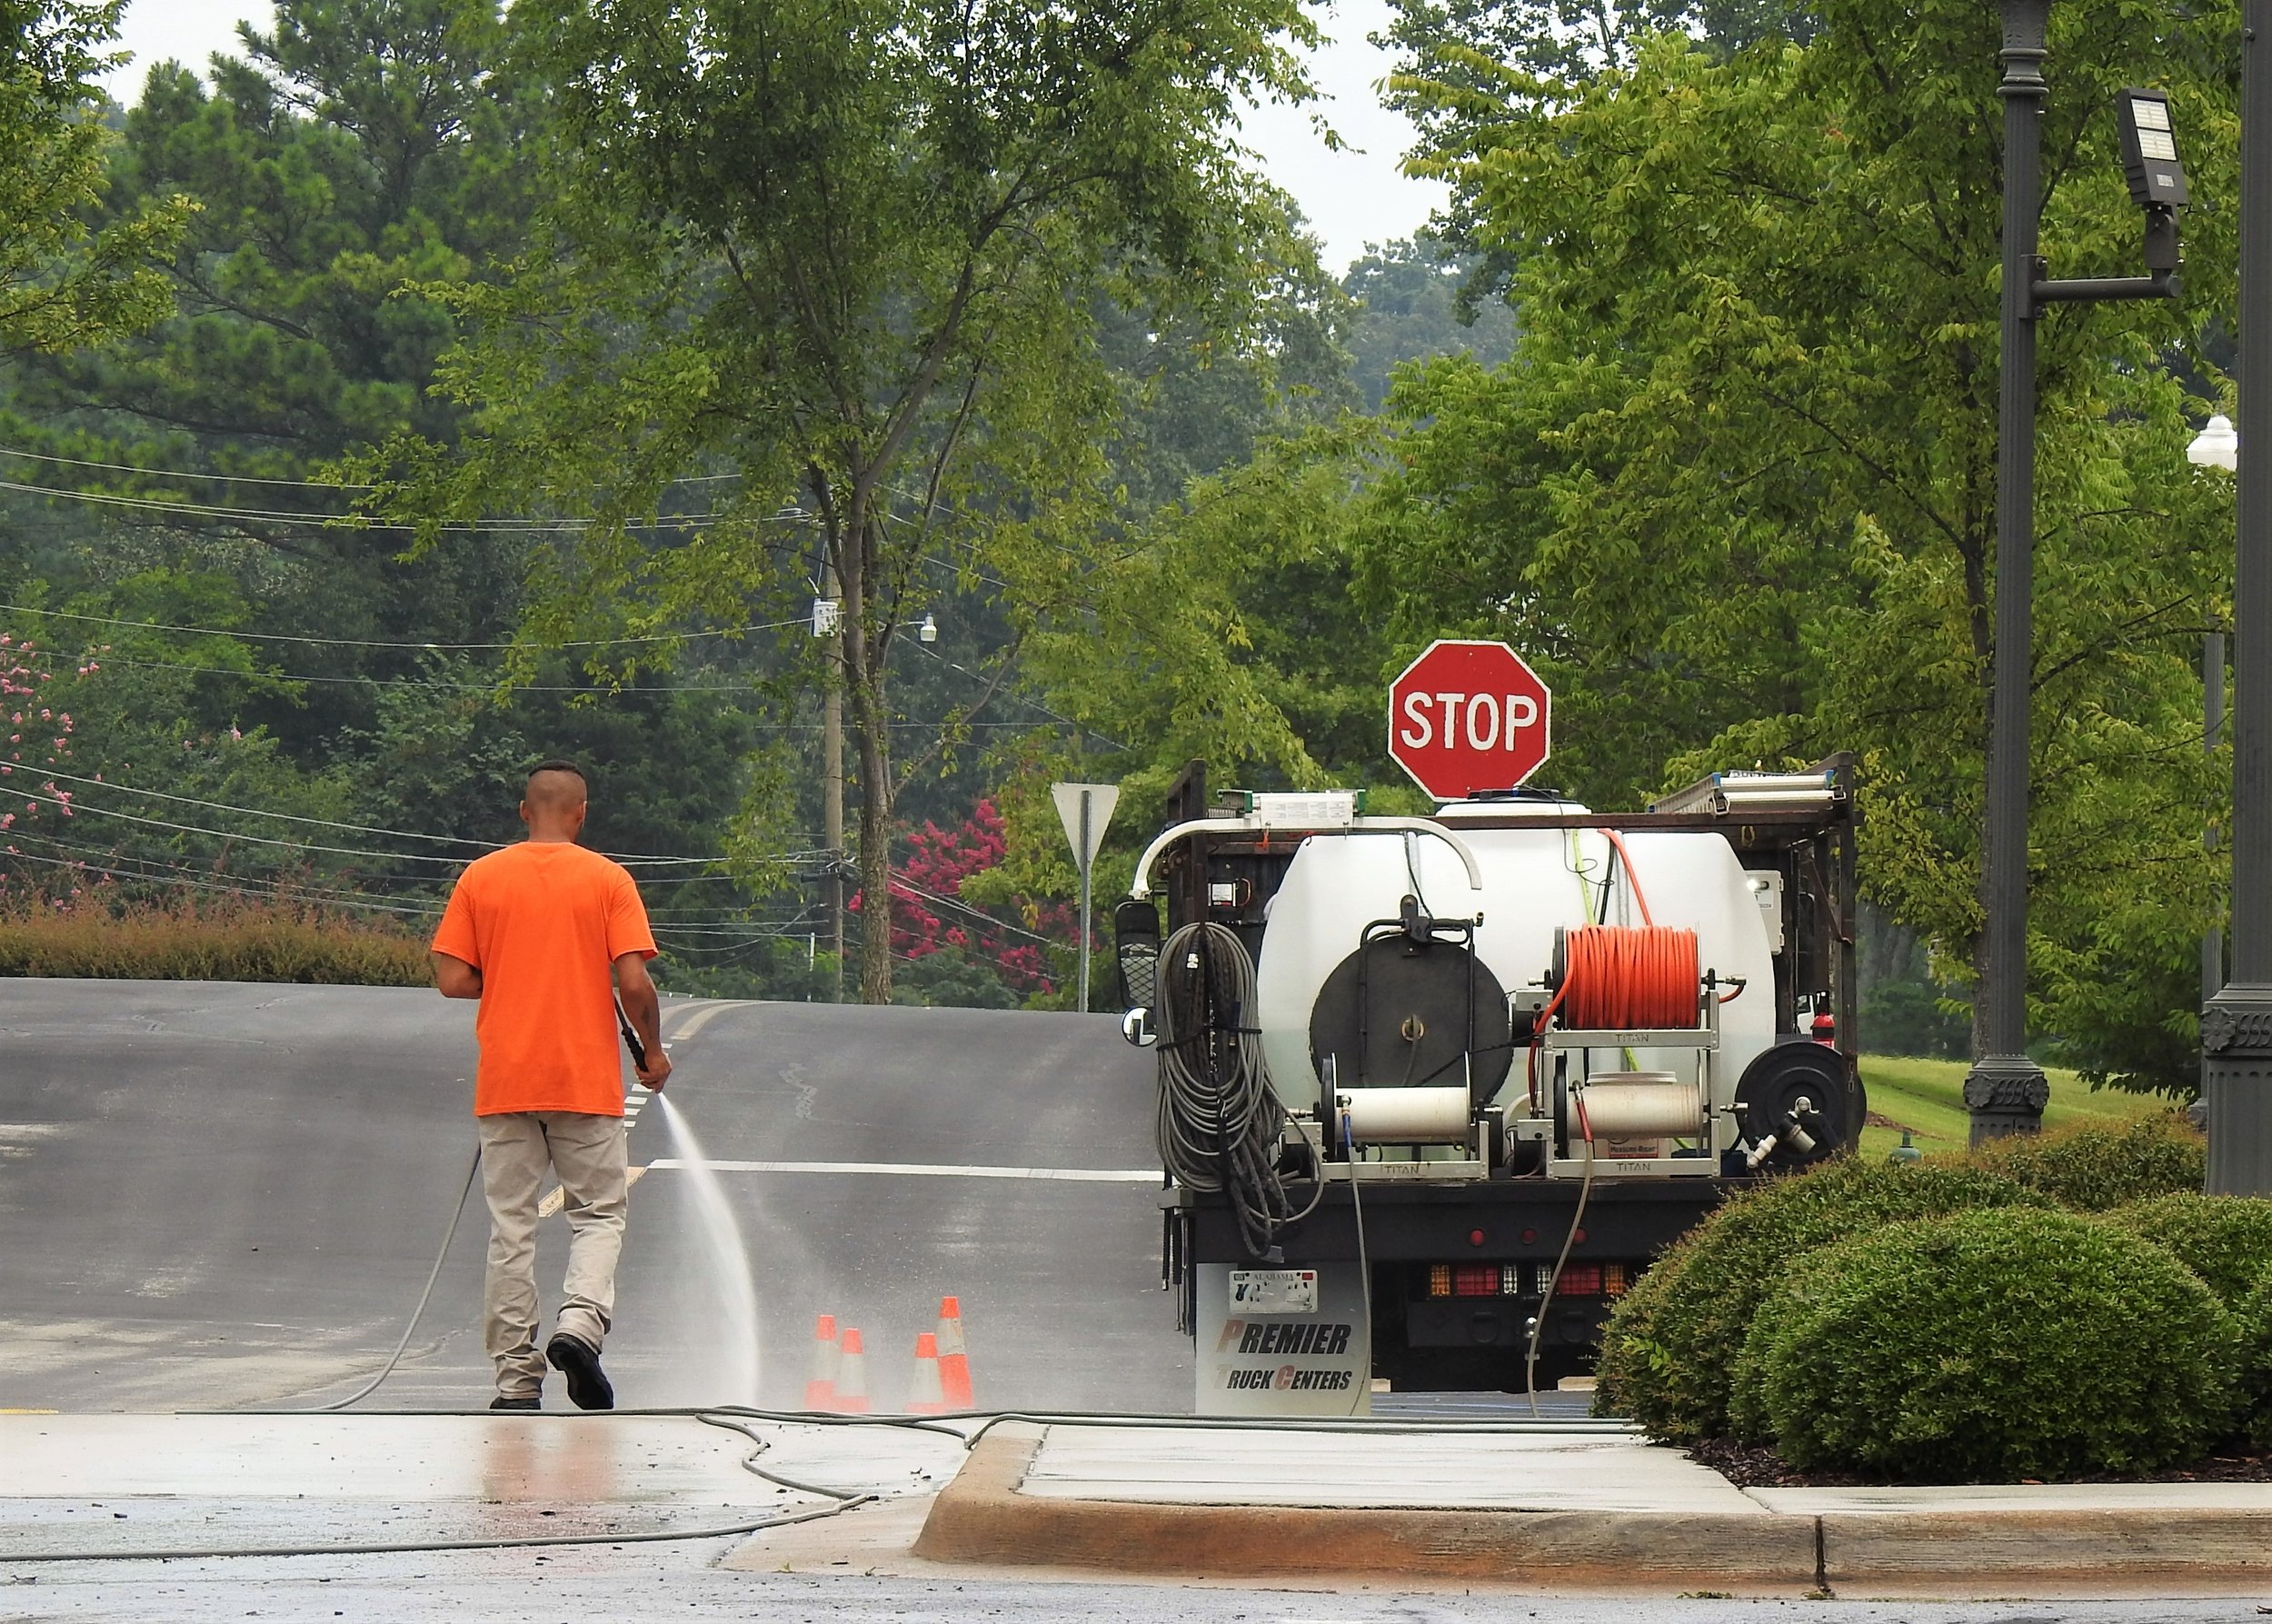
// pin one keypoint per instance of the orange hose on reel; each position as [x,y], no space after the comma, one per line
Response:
[1615,977]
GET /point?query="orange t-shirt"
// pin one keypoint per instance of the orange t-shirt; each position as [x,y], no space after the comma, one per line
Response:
[544,922]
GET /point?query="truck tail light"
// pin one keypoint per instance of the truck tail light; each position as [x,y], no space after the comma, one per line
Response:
[1439,1280]
[1581,1280]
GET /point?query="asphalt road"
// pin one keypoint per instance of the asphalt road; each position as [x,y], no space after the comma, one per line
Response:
[676,1582]
[219,1195]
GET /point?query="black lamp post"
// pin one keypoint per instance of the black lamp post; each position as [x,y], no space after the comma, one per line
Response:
[2236,1024]
[2005,1091]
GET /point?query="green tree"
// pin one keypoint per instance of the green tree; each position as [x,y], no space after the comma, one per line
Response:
[848,249]
[1412,305]
[64,282]
[1735,489]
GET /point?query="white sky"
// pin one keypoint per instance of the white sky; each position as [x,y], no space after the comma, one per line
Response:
[1352,197]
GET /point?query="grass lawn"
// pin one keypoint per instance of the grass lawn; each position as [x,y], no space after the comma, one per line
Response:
[1927,1097]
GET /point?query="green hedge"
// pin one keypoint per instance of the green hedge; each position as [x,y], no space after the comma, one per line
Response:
[2253,1315]
[2227,1240]
[2097,1169]
[1990,1345]
[1668,1349]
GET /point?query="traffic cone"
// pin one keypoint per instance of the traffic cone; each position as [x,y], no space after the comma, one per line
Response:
[820,1390]
[851,1375]
[954,1363]
[925,1397]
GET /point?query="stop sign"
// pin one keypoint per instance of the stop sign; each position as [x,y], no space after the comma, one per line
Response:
[1467,717]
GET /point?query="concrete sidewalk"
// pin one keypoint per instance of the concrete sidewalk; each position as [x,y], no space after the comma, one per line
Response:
[1565,1507]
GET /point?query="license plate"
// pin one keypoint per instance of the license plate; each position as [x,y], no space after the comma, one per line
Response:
[1274,1290]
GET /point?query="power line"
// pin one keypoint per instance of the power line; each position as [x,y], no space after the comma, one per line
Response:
[744,689]
[407,834]
[240,888]
[368,643]
[435,685]
[392,901]
[899,880]
[1033,704]
[203,510]
[249,478]
[74,807]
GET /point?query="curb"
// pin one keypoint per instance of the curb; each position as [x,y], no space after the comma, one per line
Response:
[1951,1548]
[982,1518]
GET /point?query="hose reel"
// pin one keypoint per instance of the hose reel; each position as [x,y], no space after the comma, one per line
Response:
[1414,1029]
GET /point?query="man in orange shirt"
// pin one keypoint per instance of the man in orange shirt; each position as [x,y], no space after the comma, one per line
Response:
[548,936]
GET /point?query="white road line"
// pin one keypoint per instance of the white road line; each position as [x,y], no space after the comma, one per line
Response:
[933,1170]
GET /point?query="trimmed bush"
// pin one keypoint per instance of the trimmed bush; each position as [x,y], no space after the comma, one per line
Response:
[2227,1240]
[1992,1345]
[2255,1318]
[1669,1350]
[2096,1169]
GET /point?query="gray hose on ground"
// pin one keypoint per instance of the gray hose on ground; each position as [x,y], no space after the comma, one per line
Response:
[846,1500]
[433,1274]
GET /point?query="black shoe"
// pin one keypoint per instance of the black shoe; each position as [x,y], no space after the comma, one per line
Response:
[504,1401]
[588,1386]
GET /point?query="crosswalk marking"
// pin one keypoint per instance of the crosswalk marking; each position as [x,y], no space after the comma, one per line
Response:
[933,1169]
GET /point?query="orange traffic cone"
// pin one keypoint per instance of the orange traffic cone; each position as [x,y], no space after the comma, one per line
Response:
[851,1375]
[925,1397]
[954,1363]
[820,1390]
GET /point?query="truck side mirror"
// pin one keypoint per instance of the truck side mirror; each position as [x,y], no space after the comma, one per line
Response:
[1136,953]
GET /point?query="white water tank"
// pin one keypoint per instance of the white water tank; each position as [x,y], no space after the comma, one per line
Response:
[1535,880]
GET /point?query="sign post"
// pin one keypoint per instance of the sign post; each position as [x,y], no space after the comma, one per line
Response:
[1086,809]
[1469,717]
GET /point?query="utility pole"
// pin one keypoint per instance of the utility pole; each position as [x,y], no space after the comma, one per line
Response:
[2005,1091]
[2237,1023]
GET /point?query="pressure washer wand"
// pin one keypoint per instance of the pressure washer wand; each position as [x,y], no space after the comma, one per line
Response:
[631,1038]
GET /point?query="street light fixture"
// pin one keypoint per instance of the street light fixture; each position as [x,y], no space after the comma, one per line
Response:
[2215,446]
[2149,150]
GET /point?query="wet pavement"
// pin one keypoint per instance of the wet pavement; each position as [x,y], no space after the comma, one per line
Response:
[221,1195]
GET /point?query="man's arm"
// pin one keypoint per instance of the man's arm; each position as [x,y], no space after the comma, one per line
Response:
[644,1009]
[456,977]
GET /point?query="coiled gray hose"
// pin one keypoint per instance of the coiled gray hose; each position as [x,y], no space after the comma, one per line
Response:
[1218,1123]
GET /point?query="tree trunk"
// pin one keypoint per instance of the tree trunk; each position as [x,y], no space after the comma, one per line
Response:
[863,676]
[875,852]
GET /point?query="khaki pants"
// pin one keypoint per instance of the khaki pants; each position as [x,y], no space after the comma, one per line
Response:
[587,1152]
